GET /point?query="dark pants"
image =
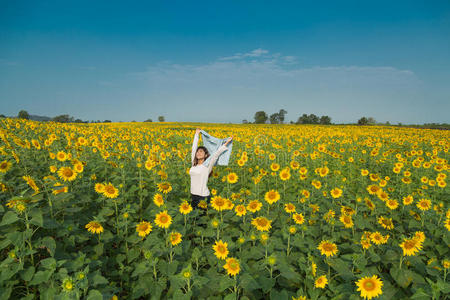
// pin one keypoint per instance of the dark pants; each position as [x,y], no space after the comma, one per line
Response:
[196,199]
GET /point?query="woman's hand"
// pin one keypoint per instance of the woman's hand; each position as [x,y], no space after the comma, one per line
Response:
[229,140]
[197,130]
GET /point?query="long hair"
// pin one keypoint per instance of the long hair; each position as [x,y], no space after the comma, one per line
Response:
[206,156]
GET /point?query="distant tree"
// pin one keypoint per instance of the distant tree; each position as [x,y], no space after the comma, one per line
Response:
[148,120]
[23,114]
[314,119]
[274,118]
[363,121]
[371,120]
[63,119]
[326,120]
[78,121]
[388,123]
[2,116]
[107,121]
[281,114]
[260,117]
[244,121]
[303,119]
[161,119]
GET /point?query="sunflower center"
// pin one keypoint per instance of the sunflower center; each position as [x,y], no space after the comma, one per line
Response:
[163,219]
[327,247]
[409,244]
[369,285]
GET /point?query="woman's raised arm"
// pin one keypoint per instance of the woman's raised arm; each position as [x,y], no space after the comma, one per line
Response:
[195,145]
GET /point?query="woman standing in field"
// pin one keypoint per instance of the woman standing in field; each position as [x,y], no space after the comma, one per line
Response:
[199,172]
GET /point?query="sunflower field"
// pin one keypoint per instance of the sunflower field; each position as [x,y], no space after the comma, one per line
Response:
[102,211]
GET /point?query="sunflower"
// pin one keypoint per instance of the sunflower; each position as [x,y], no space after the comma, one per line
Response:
[336,192]
[370,287]
[110,191]
[285,174]
[254,206]
[369,204]
[158,200]
[424,204]
[272,196]
[298,218]
[240,210]
[262,223]
[321,281]
[94,227]
[99,188]
[164,187]
[218,203]
[411,246]
[185,208]
[30,181]
[61,156]
[289,208]
[143,228]
[67,284]
[392,203]
[386,223]
[5,166]
[327,248]
[175,238]
[78,167]
[373,189]
[232,266]
[420,236]
[377,238]
[163,219]
[67,173]
[447,224]
[346,220]
[220,249]
[232,177]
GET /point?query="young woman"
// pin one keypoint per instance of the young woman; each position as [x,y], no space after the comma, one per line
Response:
[199,172]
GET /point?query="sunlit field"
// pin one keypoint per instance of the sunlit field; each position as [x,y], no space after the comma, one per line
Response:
[101,211]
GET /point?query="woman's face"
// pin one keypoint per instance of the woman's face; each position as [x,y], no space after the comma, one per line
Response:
[200,154]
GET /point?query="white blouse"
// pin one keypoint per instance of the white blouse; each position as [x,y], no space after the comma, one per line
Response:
[200,172]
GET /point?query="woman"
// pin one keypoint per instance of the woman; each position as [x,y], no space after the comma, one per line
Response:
[199,172]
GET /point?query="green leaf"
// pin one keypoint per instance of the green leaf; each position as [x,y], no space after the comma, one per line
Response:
[266,283]
[248,282]
[50,244]
[36,218]
[402,277]
[9,218]
[94,295]
[28,273]
[49,263]
[225,283]
[98,279]
[41,276]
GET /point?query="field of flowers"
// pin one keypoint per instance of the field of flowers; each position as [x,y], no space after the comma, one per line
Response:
[101,211]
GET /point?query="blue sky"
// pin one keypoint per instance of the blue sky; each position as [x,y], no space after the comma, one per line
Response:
[221,61]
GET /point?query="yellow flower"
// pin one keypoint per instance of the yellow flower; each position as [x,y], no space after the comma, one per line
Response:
[285,174]
[370,287]
[347,221]
[327,248]
[321,282]
[185,208]
[218,203]
[392,204]
[262,223]
[221,249]
[67,285]
[232,177]
[110,191]
[240,210]
[336,192]
[289,207]
[163,219]
[272,196]
[298,218]
[164,187]
[411,246]
[5,166]
[99,188]
[158,200]
[143,228]
[61,156]
[386,223]
[424,204]
[94,227]
[254,206]
[175,238]
[232,266]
